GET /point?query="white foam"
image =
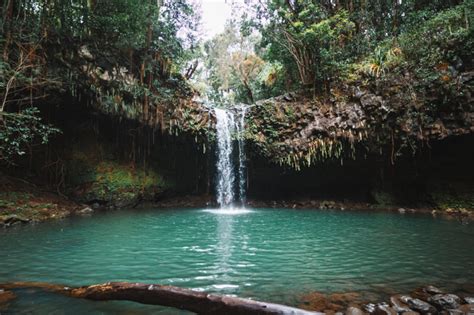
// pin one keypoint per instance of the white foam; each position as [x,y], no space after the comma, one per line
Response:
[228,211]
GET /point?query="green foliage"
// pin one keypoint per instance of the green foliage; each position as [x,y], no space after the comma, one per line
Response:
[447,37]
[321,42]
[384,198]
[454,195]
[382,61]
[120,22]
[20,131]
[122,57]
[309,39]
[109,180]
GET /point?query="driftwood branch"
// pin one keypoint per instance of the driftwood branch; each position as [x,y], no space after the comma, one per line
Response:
[194,301]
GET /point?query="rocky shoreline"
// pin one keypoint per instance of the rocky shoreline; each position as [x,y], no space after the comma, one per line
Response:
[422,301]
[23,202]
[463,215]
[425,300]
[38,207]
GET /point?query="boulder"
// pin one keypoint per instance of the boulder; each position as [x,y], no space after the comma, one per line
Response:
[84,211]
[432,290]
[385,309]
[12,219]
[424,293]
[380,309]
[469,300]
[418,305]
[370,308]
[398,305]
[354,311]
[445,301]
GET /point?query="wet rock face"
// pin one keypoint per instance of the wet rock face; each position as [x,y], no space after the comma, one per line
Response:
[445,301]
[380,309]
[11,220]
[418,305]
[469,300]
[371,100]
[111,183]
[374,114]
[398,305]
[424,293]
[432,290]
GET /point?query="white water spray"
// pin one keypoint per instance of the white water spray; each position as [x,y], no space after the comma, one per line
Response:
[242,158]
[227,127]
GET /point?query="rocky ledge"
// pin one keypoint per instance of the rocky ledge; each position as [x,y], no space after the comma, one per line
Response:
[390,116]
[425,300]
[23,202]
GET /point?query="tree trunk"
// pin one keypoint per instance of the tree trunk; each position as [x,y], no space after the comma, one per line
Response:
[152,294]
[7,28]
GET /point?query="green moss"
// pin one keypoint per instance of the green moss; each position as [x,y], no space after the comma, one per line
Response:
[384,198]
[36,206]
[115,178]
[111,181]
[454,195]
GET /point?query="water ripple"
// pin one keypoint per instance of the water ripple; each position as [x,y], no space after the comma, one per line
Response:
[273,255]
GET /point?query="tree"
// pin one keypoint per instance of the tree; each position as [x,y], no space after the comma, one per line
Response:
[44,44]
[247,67]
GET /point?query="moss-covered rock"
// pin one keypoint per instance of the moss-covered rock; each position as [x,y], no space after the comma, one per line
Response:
[383,198]
[22,202]
[450,196]
[112,183]
[390,116]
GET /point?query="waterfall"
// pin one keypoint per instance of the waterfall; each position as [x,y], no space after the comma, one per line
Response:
[242,159]
[228,126]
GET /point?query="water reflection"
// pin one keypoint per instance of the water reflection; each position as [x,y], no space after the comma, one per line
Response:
[224,250]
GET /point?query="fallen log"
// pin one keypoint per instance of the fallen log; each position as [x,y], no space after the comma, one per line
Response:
[153,294]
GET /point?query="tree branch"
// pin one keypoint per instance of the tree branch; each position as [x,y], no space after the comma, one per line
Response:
[153,294]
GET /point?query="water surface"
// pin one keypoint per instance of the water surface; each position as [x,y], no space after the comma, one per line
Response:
[274,255]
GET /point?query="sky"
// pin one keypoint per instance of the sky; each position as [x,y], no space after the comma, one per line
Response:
[214,15]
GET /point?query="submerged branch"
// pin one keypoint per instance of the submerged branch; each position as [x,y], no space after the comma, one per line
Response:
[198,302]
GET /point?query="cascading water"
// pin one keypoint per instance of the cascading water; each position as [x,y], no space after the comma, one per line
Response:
[227,126]
[225,169]
[242,174]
